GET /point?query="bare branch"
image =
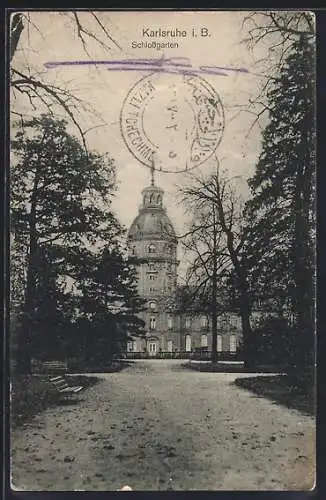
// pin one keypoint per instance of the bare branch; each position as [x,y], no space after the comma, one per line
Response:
[278,30]
[106,31]
[32,85]
[16,30]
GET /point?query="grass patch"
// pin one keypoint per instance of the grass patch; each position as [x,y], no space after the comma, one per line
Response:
[225,367]
[212,367]
[111,367]
[32,394]
[282,390]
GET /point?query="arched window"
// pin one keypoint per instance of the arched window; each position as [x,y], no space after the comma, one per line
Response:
[204,321]
[151,249]
[204,341]
[152,347]
[152,305]
[188,343]
[233,343]
[219,343]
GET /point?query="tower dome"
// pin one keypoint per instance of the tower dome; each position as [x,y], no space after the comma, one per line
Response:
[152,221]
[152,239]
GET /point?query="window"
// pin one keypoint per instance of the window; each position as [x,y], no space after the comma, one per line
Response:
[188,322]
[204,341]
[152,277]
[226,322]
[152,323]
[130,346]
[236,322]
[204,322]
[152,347]
[152,305]
[188,343]
[170,323]
[233,343]
[133,250]
[170,346]
[151,249]
[219,343]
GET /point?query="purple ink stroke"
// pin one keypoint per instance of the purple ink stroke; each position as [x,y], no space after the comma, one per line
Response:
[172,65]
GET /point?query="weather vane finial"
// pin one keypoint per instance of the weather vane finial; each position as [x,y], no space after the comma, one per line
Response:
[152,170]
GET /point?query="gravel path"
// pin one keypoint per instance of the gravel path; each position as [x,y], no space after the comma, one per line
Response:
[155,426]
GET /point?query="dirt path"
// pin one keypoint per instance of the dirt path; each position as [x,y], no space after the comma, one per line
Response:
[155,427]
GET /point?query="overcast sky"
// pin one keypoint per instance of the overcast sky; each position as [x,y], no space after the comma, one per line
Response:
[52,37]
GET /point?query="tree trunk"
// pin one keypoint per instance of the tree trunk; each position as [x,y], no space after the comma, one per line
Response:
[303,297]
[214,293]
[16,29]
[24,353]
[249,344]
[245,310]
[24,348]
[214,327]
[248,340]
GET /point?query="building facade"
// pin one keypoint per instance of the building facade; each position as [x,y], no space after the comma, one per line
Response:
[153,241]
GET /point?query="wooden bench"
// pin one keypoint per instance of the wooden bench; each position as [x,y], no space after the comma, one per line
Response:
[54,366]
[63,387]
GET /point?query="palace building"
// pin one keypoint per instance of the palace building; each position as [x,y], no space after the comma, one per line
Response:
[152,239]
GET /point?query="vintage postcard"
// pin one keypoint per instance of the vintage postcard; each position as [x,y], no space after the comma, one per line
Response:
[162,250]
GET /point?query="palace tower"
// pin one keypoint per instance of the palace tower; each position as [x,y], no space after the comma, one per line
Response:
[152,239]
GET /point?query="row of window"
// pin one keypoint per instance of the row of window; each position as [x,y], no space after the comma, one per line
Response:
[204,343]
[152,198]
[152,249]
[154,268]
[152,320]
[162,290]
[152,346]
[203,321]
[152,276]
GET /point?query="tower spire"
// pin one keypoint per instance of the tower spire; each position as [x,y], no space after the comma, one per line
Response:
[152,170]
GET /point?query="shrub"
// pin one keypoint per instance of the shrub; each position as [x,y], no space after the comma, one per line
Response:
[29,395]
[274,339]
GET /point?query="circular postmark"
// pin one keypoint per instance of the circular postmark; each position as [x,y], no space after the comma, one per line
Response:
[175,121]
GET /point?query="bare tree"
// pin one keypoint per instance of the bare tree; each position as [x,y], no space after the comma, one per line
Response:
[216,238]
[204,243]
[278,31]
[288,25]
[90,28]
